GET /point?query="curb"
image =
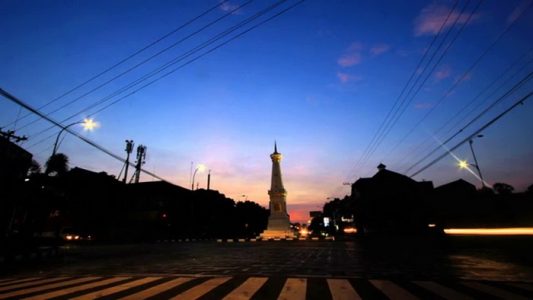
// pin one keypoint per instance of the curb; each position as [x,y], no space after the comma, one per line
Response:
[247,240]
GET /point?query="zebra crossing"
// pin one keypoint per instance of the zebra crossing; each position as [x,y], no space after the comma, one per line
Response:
[252,287]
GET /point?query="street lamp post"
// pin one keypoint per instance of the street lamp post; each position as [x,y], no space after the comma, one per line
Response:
[475,160]
[200,168]
[88,124]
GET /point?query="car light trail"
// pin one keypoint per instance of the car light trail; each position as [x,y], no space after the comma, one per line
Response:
[490,231]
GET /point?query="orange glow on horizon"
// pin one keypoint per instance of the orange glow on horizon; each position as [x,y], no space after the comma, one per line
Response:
[490,231]
[299,215]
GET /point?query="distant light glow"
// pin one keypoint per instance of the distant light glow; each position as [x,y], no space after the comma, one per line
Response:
[350,230]
[89,124]
[463,164]
[304,232]
[490,231]
[432,225]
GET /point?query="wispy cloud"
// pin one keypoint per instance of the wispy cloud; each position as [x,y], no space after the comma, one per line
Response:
[443,73]
[228,6]
[352,56]
[350,59]
[431,18]
[379,49]
[346,78]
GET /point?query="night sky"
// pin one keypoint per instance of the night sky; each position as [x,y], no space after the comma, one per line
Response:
[319,79]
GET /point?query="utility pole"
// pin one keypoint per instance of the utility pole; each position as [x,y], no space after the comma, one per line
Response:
[475,160]
[10,135]
[141,156]
[208,180]
[129,149]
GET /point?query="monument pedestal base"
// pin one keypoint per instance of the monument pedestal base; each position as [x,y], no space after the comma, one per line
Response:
[276,234]
[278,227]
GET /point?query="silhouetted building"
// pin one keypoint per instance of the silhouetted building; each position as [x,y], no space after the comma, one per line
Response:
[14,162]
[14,165]
[459,188]
[391,202]
[454,203]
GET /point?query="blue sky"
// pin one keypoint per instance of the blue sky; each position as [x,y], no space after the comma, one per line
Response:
[319,79]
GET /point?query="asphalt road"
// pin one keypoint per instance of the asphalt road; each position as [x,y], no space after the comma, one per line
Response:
[371,268]
[477,258]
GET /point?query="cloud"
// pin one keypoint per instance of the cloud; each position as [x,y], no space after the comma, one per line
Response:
[351,56]
[443,73]
[227,7]
[379,49]
[431,18]
[348,60]
[346,78]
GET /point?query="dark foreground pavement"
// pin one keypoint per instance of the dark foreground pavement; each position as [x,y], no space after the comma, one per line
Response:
[375,268]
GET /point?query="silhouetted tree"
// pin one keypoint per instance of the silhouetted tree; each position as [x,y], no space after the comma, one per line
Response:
[252,218]
[503,188]
[530,189]
[57,164]
[35,168]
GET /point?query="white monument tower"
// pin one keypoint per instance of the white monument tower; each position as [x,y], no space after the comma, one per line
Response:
[278,221]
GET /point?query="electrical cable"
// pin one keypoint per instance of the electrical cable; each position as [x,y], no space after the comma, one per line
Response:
[57,124]
[446,94]
[407,101]
[494,103]
[95,145]
[169,64]
[397,101]
[229,13]
[519,102]
[463,110]
[222,2]
[456,83]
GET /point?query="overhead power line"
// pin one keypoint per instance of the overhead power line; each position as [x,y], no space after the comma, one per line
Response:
[488,124]
[178,59]
[407,84]
[229,13]
[494,103]
[86,140]
[57,124]
[408,99]
[457,82]
[463,111]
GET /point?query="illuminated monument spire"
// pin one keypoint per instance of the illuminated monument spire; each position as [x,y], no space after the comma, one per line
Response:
[278,221]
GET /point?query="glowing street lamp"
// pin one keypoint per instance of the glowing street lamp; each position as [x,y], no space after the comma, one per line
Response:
[199,167]
[463,164]
[88,124]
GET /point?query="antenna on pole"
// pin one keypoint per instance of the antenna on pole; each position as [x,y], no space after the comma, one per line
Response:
[141,159]
[129,149]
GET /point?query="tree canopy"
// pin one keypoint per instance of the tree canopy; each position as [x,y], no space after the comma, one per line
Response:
[57,164]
